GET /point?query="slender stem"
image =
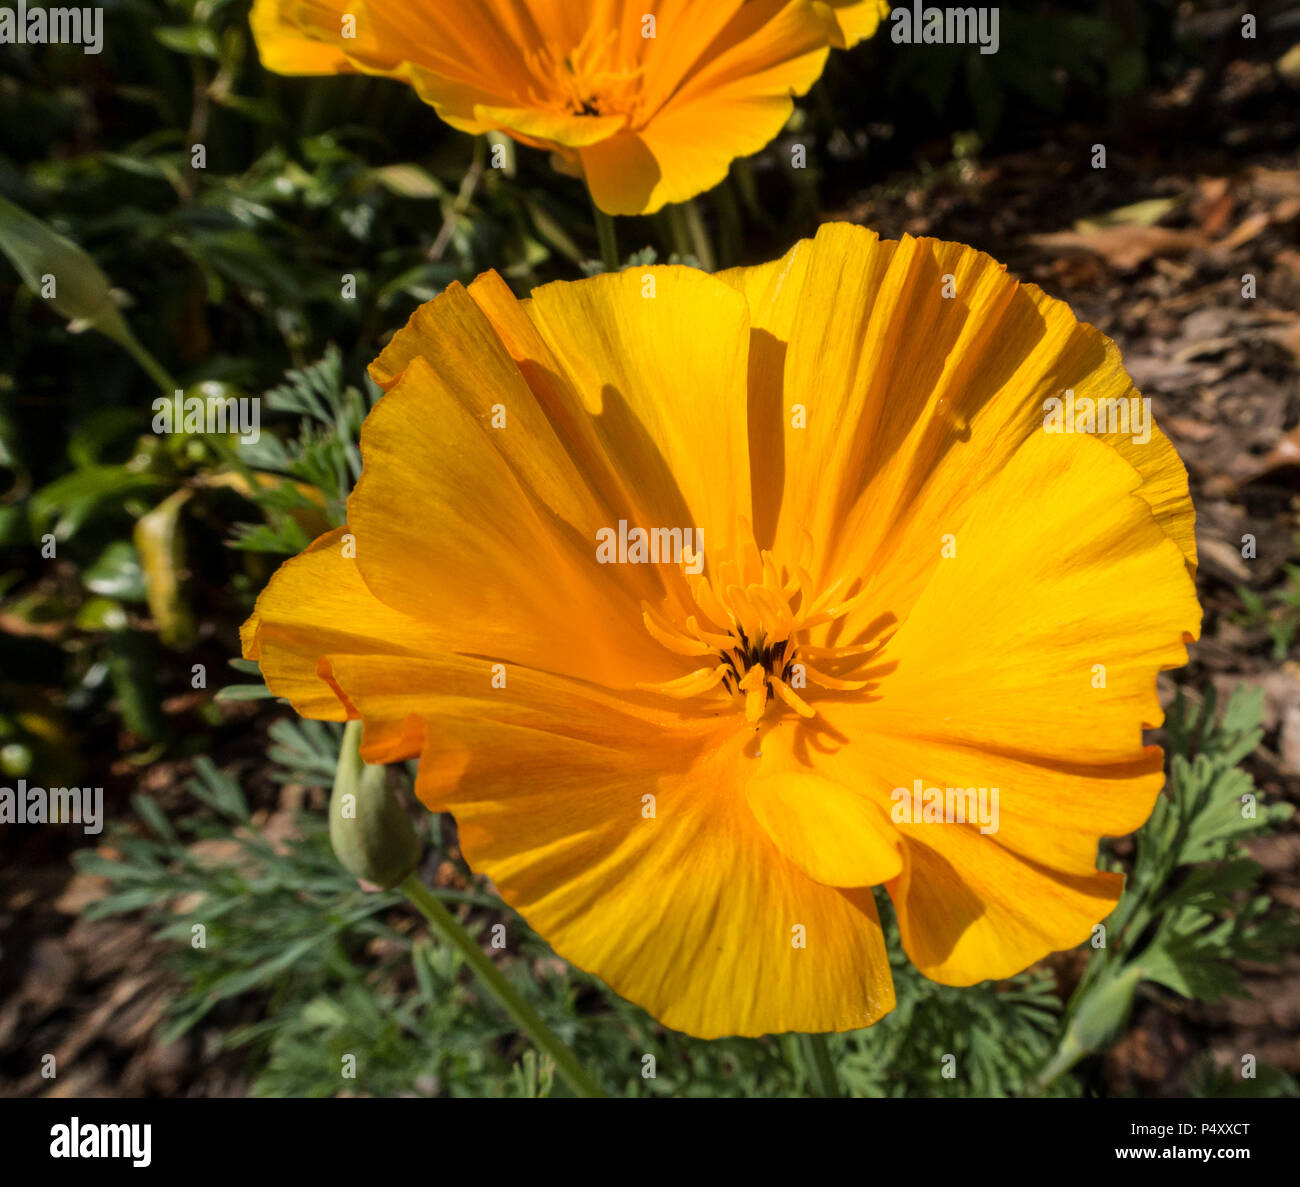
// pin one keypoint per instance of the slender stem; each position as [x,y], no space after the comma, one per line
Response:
[731,228]
[520,1011]
[1063,1059]
[817,1062]
[155,370]
[681,234]
[608,239]
[700,240]
[456,211]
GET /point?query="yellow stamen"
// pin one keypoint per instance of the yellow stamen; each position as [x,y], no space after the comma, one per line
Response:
[690,685]
[675,642]
[791,698]
[754,686]
[753,616]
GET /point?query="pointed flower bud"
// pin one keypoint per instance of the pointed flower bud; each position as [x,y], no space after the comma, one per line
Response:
[371,833]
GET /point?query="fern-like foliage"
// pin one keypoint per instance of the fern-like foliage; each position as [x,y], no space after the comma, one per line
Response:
[319,465]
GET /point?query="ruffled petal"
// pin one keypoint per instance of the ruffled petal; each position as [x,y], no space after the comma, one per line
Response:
[736,99]
[834,834]
[856,20]
[630,848]
[286,49]
[1027,665]
[325,37]
[318,605]
[470,510]
[909,373]
[633,354]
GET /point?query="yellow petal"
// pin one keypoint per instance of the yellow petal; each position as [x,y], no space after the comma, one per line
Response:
[315,604]
[397,696]
[856,20]
[324,37]
[835,835]
[912,397]
[471,512]
[974,913]
[548,127]
[1028,664]
[692,912]
[1060,568]
[634,351]
[734,101]
[285,48]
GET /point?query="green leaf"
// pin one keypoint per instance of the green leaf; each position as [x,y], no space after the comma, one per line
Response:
[218,790]
[66,503]
[160,541]
[407,181]
[1192,961]
[244,692]
[48,262]
[195,40]
[116,574]
[147,809]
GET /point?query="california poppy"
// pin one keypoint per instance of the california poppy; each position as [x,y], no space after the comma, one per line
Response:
[649,101]
[674,581]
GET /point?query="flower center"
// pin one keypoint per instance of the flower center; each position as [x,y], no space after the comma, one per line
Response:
[591,79]
[753,618]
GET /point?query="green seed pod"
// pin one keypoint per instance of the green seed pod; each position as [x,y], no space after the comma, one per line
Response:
[371,833]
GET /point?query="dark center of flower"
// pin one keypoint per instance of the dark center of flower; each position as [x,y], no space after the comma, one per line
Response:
[773,659]
[751,625]
[596,77]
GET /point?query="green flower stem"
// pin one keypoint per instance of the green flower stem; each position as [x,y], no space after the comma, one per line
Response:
[608,239]
[674,215]
[700,240]
[150,365]
[817,1062]
[731,227]
[443,922]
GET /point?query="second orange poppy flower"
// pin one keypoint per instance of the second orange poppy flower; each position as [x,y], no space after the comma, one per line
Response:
[649,100]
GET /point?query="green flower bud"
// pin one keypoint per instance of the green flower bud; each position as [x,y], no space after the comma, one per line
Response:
[1099,1018]
[1103,1011]
[15,759]
[371,833]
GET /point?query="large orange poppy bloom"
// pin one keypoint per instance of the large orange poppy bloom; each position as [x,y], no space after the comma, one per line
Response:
[649,100]
[685,775]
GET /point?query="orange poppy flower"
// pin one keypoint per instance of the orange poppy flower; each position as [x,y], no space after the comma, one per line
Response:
[674,582]
[649,101]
